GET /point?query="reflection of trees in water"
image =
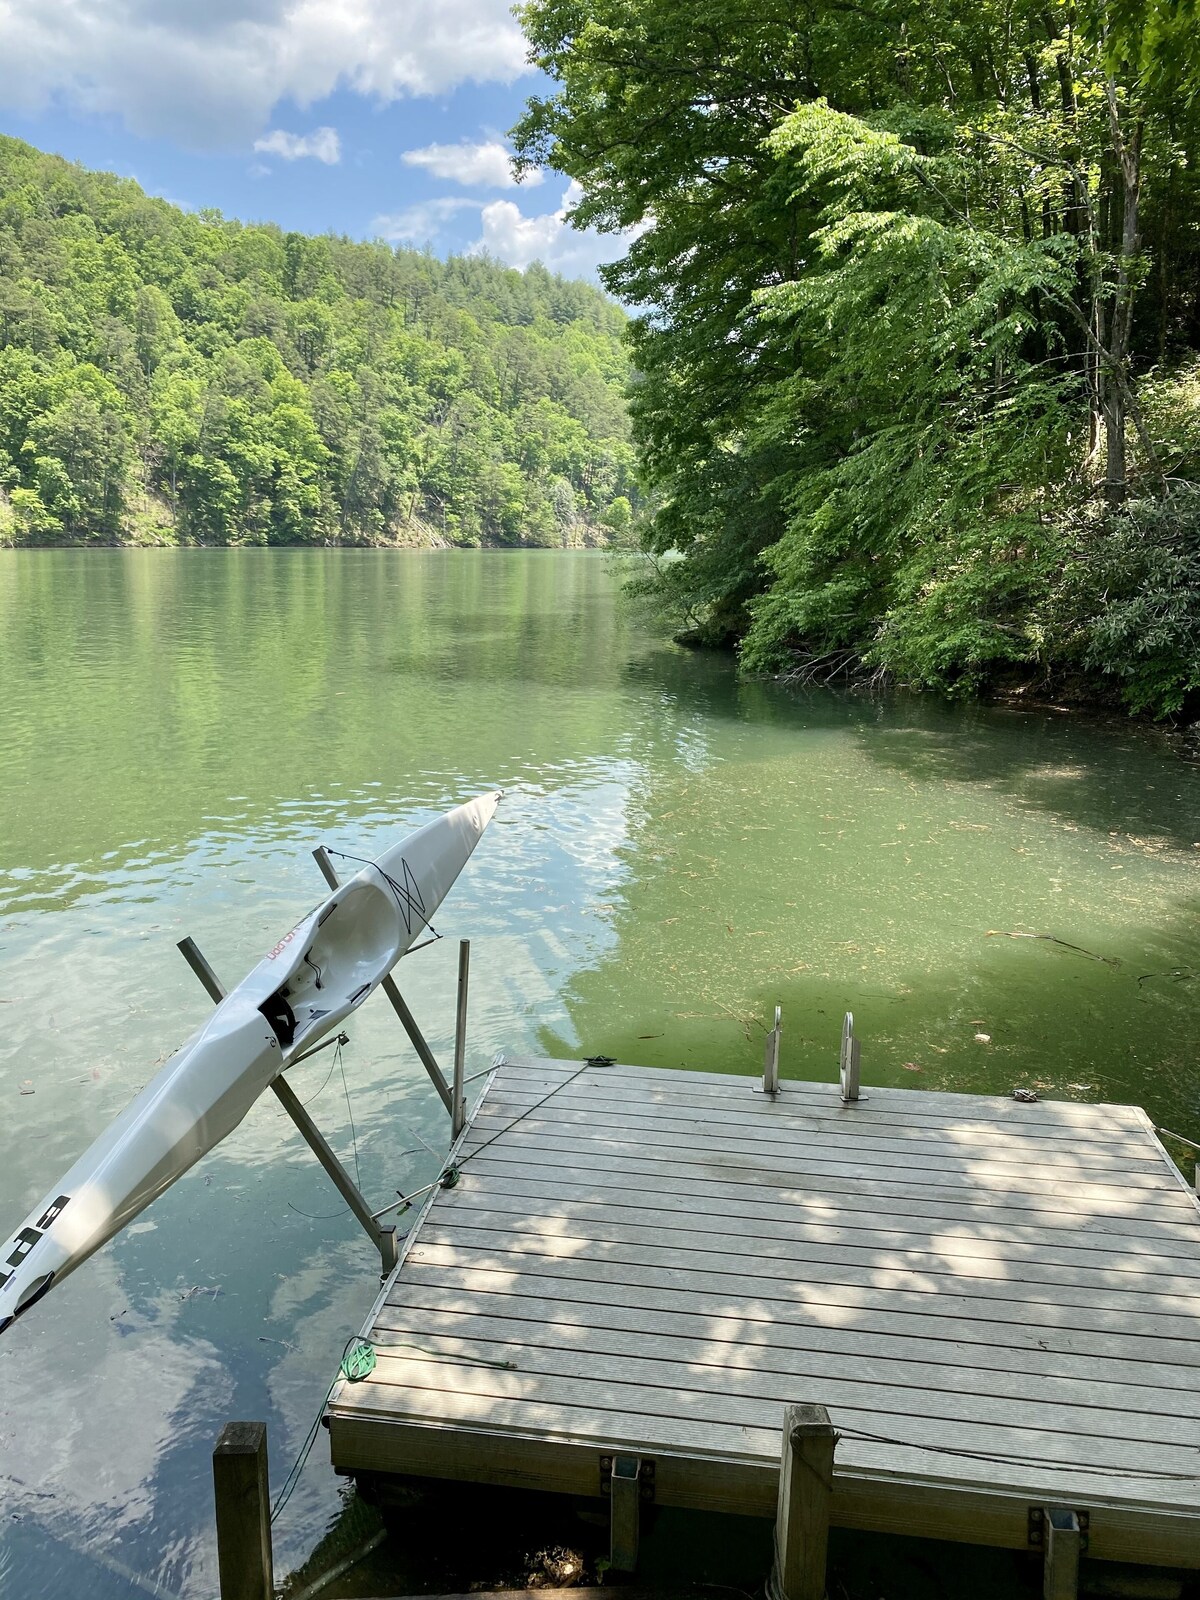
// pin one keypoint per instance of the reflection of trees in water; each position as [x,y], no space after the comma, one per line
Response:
[155,686]
[1104,775]
[1105,778]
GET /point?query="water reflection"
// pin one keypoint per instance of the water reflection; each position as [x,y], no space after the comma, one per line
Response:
[678,852]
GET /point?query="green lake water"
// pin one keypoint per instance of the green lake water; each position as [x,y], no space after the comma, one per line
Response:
[678,852]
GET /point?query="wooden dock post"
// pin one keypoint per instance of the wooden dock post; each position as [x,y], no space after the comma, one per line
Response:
[1060,1573]
[625,1488]
[240,1483]
[802,1514]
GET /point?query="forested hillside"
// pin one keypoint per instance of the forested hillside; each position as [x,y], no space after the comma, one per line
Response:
[919,391]
[180,377]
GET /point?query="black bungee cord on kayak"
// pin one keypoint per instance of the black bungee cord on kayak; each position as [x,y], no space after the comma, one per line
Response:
[410,900]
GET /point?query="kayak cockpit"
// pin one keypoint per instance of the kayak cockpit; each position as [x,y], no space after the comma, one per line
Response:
[347,947]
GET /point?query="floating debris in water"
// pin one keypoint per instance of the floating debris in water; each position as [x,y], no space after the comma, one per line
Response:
[1109,961]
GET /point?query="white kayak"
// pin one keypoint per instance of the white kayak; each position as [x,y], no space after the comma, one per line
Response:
[314,977]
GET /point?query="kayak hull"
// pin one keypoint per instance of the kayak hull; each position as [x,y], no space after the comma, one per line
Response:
[302,990]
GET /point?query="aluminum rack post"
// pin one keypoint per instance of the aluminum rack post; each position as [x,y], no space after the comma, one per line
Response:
[384,1239]
[458,1105]
[770,1082]
[848,1065]
[427,1057]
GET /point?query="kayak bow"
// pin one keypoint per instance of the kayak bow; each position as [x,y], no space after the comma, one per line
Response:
[303,989]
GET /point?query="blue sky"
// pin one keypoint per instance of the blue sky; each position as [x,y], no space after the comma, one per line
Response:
[375,118]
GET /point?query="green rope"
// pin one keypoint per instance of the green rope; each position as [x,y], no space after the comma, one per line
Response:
[358,1360]
[357,1363]
[445,1355]
[353,1134]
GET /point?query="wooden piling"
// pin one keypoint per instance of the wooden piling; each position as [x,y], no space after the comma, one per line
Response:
[805,1493]
[243,1501]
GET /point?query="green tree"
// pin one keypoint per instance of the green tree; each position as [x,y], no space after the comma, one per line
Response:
[234,383]
[902,273]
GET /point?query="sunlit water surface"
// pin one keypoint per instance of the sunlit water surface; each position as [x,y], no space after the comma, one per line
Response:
[678,852]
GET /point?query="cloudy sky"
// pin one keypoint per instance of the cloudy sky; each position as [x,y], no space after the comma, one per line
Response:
[375,118]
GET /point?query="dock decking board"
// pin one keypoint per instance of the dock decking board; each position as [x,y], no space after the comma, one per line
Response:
[999,1304]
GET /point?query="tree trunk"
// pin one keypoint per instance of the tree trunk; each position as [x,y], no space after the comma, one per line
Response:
[1129,157]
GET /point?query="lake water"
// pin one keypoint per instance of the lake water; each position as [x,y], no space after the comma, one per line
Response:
[677,853]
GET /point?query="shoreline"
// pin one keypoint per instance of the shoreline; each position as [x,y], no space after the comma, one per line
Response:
[436,543]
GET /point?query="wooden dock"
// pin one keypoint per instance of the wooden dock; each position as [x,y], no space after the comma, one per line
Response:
[998,1303]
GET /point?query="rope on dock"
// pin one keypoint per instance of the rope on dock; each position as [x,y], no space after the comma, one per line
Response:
[1001,1459]
[458,1358]
[592,1061]
[450,1175]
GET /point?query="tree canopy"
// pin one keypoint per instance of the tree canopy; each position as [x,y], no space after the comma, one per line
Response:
[917,384]
[175,376]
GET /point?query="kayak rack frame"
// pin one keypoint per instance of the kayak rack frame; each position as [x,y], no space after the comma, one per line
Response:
[384,1239]
[453,1095]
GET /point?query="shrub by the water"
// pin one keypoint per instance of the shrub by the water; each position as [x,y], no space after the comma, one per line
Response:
[1143,629]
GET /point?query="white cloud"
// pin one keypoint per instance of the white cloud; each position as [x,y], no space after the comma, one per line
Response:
[509,235]
[421,223]
[210,72]
[488,165]
[549,238]
[322,144]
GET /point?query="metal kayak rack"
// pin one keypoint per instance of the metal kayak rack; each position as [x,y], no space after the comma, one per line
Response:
[452,1094]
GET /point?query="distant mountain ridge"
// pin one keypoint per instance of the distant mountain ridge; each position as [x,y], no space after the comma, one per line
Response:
[176,377]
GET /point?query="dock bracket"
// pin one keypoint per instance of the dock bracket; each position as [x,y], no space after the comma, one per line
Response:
[645,1478]
[1038,1524]
[1063,1541]
[384,1239]
[426,1056]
